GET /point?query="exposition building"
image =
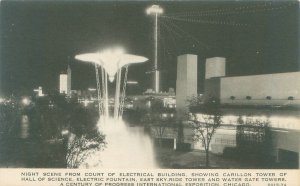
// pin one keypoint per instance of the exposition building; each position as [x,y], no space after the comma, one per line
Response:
[267,89]
[244,96]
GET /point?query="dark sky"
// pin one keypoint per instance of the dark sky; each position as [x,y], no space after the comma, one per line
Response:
[39,38]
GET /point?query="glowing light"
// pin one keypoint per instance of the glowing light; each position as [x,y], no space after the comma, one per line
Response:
[63,81]
[126,148]
[276,122]
[132,82]
[111,60]
[154,9]
[2,100]
[25,101]
[92,89]
[86,102]
[64,132]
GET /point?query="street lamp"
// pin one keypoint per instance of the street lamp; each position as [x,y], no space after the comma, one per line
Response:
[155,10]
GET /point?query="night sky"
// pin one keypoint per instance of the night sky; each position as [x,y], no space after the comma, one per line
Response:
[39,39]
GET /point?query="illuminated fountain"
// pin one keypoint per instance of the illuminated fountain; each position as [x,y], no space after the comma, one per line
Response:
[111,63]
[127,147]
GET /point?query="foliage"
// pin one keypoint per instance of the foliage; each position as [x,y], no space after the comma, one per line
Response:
[49,118]
[159,124]
[85,139]
[254,140]
[9,121]
[204,126]
[79,148]
[252,130]
[194,101]
[158,118]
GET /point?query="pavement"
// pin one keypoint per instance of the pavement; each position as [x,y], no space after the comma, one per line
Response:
[169,158]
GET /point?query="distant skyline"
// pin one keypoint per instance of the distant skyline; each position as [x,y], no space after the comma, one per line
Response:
[39,39]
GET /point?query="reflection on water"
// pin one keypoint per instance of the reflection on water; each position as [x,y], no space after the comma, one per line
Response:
[127,147]
[24,127]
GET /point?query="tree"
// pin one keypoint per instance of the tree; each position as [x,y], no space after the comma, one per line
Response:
[10,117]
[157,118]
[80,147]
[84,138]
[254,140]
[204,126]
[9,121]
[194,102]
[159,124]
[204,121]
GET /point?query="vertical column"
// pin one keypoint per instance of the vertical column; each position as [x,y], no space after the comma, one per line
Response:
[117,95]
[215,67]
[156,72]
[69,80]
[298,153]
[106,96]
[175,144]
[186,82]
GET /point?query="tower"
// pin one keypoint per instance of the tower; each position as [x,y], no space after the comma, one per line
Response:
[186,82]
[69,80]
[63,78]
[215,67]
[155,11]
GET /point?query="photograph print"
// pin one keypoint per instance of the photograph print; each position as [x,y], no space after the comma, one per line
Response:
[150,85]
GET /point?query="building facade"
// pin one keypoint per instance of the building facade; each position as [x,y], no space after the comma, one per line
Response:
[265,89]
[186,82]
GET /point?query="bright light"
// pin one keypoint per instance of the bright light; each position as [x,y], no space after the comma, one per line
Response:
[63,82]
[86,102]
[154,9]
[25,101]
[119,51]
[111,60]
[132,82]
[64,132]
[126,148]
[2,100]
[91,89]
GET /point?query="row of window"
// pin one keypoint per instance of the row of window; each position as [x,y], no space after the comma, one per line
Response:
[268,97]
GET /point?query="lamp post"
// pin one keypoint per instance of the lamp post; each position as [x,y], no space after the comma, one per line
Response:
[155,10]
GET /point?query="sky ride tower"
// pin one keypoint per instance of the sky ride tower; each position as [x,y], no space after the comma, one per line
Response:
[155,11]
